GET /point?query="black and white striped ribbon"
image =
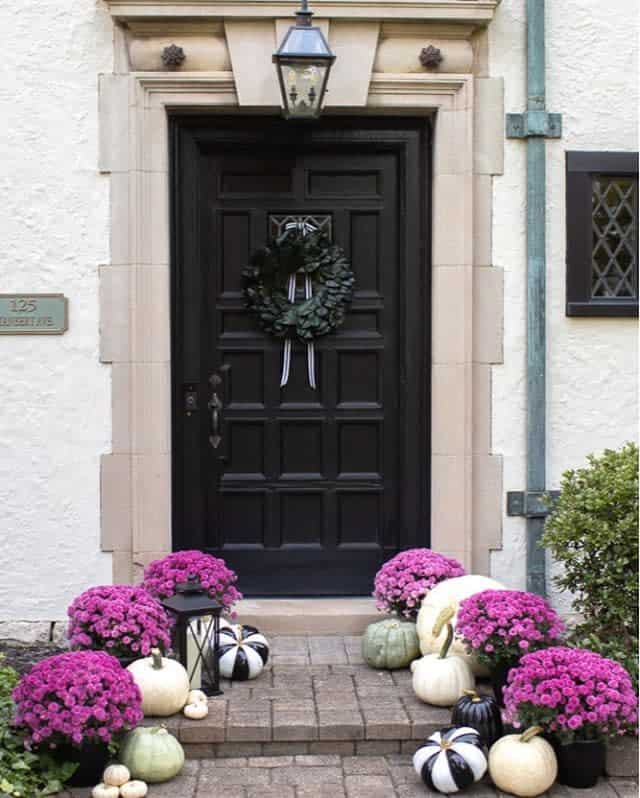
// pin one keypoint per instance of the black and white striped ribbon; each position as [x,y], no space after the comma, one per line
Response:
[303,228]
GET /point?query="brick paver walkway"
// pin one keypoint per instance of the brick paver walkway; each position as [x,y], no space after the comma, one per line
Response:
[328,777]
[317,723]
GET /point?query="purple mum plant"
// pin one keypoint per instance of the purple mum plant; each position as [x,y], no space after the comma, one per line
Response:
[123,620]
[572,693]
[404,580]
[162,576]
[499,626]
[73,698]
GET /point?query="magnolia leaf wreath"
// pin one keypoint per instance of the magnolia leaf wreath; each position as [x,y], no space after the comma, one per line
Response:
[271,290]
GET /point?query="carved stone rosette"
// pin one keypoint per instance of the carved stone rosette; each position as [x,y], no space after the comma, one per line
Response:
[431,57]
[173,56]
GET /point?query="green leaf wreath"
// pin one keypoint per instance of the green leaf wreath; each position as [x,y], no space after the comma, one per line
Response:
[266,278]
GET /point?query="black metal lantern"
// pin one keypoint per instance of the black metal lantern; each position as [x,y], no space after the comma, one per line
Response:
[303,62]
[197,623]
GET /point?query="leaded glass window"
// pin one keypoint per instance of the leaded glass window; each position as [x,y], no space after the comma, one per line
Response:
[304,223]
[615,236]
[602,234]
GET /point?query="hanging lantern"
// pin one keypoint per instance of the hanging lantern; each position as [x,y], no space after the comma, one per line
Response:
[197,618]
[303,62]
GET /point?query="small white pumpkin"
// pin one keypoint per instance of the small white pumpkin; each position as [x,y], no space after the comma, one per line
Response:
[523,764]
[440,679]
[116,775]
[197,697]
[105,791]
[449,593]
[164,684]
[134,789]
[196,711]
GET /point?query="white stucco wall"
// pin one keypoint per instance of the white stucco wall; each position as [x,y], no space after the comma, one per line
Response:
[55,417]
[592,69]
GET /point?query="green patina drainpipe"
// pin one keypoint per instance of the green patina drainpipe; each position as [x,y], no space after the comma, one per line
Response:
[535,125]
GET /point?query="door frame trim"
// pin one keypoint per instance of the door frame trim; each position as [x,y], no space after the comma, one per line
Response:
[409,140]
[136,476]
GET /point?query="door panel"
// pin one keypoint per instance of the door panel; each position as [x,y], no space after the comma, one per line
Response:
[309,490]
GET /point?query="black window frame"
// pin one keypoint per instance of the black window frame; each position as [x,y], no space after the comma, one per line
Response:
[580,169]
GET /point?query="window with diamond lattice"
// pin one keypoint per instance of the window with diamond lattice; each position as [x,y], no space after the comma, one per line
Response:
[602,234]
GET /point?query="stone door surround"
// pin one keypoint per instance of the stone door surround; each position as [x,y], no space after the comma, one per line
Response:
[227,69]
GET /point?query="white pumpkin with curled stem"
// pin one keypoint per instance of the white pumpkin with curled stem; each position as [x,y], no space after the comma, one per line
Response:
[523,764]
[440,679]
[163,682]
[450,593]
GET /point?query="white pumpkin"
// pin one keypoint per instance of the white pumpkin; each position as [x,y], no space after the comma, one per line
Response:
[163,682]
[105,791]
[523,764]
[116,775]
[440,679]
[449,593]
[196,711]
[134,789]
[197,697]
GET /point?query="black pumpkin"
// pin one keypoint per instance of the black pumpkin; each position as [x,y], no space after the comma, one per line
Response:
[481,713]
[451,759]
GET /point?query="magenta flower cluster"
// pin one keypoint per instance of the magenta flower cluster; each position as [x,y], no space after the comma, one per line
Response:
[162,576]
[81,696]
[499,626]
[125,621]
[573,693]
[404,580]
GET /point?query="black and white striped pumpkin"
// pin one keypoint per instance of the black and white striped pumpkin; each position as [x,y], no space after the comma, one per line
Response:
[242,652]
[451,759]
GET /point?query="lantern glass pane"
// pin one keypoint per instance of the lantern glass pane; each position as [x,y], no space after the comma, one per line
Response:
[303,84]
[305,41]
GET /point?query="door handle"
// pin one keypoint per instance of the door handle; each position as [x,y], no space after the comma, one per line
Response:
[215,405]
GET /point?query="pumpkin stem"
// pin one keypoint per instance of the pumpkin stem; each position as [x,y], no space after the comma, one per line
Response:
[443,618]
[473,695]
[156,659]
[447,643]
[529,734]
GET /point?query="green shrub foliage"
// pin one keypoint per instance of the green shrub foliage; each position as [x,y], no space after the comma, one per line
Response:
[593,532]
[24,774]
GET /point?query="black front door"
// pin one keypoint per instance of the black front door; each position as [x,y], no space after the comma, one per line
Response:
[308,490]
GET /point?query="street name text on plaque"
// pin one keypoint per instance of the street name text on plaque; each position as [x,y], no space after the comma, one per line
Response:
[33,314]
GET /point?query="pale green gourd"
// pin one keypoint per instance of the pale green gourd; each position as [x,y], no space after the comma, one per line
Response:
[152,754]
[390,644]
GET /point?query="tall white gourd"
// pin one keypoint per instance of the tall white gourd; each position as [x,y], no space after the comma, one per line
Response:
[450,593]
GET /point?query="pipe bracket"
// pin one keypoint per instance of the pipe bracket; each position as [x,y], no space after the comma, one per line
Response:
[534,123]
[531,504]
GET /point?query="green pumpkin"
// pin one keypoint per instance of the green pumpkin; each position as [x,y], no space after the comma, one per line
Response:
[152,754]
[390,644]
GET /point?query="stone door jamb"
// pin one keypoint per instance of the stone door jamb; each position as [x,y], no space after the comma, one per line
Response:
[135,322]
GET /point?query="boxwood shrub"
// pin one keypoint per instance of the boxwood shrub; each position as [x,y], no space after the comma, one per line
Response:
[593,532]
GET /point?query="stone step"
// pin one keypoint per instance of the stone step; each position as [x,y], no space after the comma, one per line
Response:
[331,776]
[316,697]
[309,616]
[337,709]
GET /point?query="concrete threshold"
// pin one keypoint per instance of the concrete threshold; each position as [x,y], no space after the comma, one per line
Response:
[309,616]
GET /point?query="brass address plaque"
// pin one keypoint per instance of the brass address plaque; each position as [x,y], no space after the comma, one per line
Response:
[33,314]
